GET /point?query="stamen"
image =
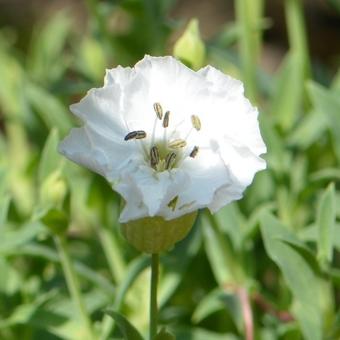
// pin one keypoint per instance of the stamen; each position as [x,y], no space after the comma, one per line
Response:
[196,122]
[170,160]
[194,152]
[154,157]
[139,134]
[172,204]
[166,119]
[177,144]
[159,110]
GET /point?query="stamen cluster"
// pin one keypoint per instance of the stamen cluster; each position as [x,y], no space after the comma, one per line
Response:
[166,153]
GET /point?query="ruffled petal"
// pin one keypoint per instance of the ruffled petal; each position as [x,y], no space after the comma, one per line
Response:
[78,148]
[100,109]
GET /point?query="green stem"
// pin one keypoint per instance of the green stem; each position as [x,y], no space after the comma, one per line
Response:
[153,296]
[249,16]
[73,285]
[296,32]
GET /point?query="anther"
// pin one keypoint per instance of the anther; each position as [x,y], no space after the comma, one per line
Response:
[159,110]
[196,122]
[177,144]
[194,152]
[166,119]
[170,160]
[139,134]
[154,157]
[172,204]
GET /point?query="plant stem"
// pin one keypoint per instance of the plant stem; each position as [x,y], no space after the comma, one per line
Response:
[249,15]
[73,285]
[297,33]
[153,295]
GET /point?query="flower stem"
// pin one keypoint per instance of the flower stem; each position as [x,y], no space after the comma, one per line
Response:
[153,295]
[73,285]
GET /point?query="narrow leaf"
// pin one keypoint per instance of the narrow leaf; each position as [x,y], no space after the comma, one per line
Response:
[298,275]
[326,223]
[128,330]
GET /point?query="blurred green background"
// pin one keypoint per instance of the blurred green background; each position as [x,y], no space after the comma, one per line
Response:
[266,267]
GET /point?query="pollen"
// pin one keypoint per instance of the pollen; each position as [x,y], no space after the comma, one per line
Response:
[139,134]
[154,157]
[196,122]
[194,152]
[170,160]
[177,144]
[159,110]
[166,119]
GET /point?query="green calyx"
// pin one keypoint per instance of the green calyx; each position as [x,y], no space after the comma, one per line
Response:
[154,235]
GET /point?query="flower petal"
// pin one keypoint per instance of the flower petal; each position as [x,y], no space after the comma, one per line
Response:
[78,148]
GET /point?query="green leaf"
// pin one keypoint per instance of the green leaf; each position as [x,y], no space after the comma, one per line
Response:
[218,300]
[190,48]
[4,206]
[127,329]
[309,130]
[287,101]
[223,260]
[231,222]
[46,60]
[327,102]
[298,275]
[50,159]
[326,223]
[134,269]
[49,108]
[15,239]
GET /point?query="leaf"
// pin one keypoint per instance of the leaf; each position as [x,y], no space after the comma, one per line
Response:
[14,239]
[231,222]
[46,60]
[309,130]
[222,258]
[328,103]
[218,300]
[49,108]
[50,159]
[127,329]
[134,269]
[4,206]
[287,101]
[176,264]
[298,275]
[50,255]
[326,223]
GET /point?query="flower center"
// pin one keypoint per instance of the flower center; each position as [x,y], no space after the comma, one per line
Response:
[167,153]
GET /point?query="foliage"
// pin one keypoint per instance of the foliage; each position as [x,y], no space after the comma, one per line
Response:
[279,245]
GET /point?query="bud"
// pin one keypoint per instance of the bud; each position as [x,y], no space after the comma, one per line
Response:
[53,190]
[154,235]
[190,48]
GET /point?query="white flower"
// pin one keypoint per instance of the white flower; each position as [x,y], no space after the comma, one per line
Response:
[169,140]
